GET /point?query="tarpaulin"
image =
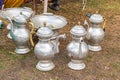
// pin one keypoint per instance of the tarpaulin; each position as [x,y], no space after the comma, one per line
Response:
[1,3]
[13,3]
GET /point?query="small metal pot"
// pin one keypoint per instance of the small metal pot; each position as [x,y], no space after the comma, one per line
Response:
[20,34]
[44,49]
[95,31]
[77,48]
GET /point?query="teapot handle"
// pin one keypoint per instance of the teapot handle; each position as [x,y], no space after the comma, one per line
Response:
[31,33]
[104,23]
[86,24]
[9,19]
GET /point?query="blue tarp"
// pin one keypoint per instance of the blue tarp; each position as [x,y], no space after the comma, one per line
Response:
[1,2]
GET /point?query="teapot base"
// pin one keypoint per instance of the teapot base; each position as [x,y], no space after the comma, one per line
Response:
[45,66]
[22,51]
[76,65]
[94,48]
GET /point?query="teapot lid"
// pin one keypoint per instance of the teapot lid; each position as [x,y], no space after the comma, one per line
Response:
[13,12]
[44,32]
[96,18]
[78,30]
[20,19]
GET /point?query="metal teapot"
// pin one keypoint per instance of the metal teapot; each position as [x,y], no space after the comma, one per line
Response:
[25,12]
[46,48]
[20,34]
[77,48]
[95,33]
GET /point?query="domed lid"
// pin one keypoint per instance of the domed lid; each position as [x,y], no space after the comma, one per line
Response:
[20,19]
[96,18]
[78,30]
[16,11]
[44,32]
[53,21]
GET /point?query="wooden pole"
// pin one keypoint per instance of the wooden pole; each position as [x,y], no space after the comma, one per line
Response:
[35,6]
[45,6]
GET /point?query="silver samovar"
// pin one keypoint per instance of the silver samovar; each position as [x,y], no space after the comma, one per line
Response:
[95,32]
[77,48]
[20,34]
[44,49]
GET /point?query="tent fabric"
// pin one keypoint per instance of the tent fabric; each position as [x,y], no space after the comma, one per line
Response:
[13,3]
[1,3]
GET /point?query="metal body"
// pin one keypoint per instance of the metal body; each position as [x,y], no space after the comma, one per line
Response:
[95,33]
[44,49]
[77,48]
[20,34]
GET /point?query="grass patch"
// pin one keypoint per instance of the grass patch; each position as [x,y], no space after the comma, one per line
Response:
[89,58]
[13,56]
[104,5]
[116,66]
[7,59]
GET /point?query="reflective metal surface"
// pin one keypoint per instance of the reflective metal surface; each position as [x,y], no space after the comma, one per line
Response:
[95,33]
[20,34]
[77,48]
[44,49]
[13,12]
[52,21]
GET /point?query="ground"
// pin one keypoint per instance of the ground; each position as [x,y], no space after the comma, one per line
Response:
[103,65]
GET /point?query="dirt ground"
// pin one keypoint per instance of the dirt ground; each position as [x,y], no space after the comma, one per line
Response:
[103,65]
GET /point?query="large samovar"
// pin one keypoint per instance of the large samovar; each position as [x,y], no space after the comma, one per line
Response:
[20,34]
[95,31]
[77,48]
